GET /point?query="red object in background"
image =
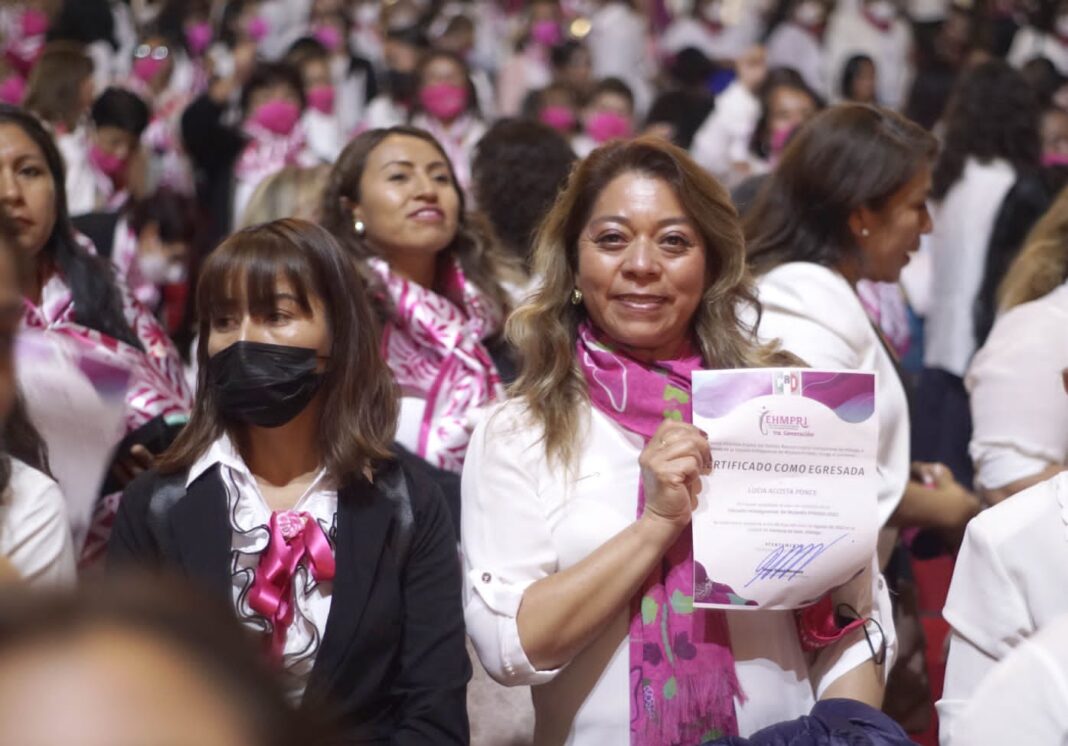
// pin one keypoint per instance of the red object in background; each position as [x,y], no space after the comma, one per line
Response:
[932,585]
[173,311]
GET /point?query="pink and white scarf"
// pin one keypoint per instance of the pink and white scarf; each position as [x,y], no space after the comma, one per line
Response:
[434,346]
[683,680]
[267,152]
[157,384]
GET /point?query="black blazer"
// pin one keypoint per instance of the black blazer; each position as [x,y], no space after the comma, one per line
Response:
[392,661]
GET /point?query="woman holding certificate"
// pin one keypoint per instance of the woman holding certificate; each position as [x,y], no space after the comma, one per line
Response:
[849,202]
[578,491]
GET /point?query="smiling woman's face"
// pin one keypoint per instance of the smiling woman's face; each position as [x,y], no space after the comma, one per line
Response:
[408,201]
[641,266]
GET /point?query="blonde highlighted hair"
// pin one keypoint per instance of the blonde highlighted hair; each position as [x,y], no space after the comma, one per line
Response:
[1043,263]
[544,329]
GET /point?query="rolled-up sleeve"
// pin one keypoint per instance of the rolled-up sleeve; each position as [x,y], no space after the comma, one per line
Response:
[868,595]
[507,545]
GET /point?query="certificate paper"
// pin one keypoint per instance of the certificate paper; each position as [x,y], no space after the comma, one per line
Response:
[788,512]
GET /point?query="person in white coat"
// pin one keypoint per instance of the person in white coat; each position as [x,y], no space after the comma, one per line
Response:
[874,28]
[1047,39]
[848,203]
[1020,418]
[1010,582]
[797,42]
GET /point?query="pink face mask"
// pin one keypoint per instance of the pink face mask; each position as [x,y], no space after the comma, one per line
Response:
[107,163]
[258,28]
[145,69]
[329,37]
[278,116]
[444,101]
[34,22]
[560,118]
[608,125]
[12,89]
[321,98]
[779,140]
[1055,159]
[546,33]
[198,37]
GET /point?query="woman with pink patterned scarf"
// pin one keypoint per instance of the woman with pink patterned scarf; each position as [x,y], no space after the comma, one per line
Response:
[394,202]
[578,491]
[73,293]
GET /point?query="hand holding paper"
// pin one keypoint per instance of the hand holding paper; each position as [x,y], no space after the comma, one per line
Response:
[672,464]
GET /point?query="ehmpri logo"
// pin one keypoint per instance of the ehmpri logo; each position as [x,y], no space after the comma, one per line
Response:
[769,421]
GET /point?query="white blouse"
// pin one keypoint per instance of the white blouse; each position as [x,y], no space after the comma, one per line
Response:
[250,517]
[34,530]
[1019,406]
[524,519]
[963,223]
[1025,697]
[1010,581]
[816,314]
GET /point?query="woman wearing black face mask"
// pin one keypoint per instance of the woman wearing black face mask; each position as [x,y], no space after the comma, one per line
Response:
[281,495]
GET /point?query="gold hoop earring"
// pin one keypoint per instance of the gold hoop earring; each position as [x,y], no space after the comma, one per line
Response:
[576,297]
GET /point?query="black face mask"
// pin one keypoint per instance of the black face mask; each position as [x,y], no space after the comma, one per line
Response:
[263,384]
[401,85]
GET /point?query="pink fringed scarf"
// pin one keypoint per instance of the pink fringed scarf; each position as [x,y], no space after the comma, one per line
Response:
[682,677]
[433,344]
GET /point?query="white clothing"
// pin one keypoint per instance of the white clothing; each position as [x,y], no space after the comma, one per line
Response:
[458,139]
[722,140]
[80,177]
[619,47]
[250,517]
[34,531]
[1030,43]
[727,44]
[351,91]
[792,45]
[927,11]
[819,318]
[849,33]
[325,138]
[1019,407]
[1010,581]
[524,519]
[383,112]
[1025,697]
[521,73]
[963,223]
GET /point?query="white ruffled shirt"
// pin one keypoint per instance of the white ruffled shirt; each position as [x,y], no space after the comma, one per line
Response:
[249,517]
[1010,581]
[1019,406]
[524,519]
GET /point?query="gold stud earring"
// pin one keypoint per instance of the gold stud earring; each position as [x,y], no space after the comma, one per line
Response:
[576,297]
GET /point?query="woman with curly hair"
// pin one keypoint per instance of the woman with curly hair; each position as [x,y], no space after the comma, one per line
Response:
[578,491]
[991,143]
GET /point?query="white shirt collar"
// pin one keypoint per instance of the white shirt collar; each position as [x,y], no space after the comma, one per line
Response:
[222,451]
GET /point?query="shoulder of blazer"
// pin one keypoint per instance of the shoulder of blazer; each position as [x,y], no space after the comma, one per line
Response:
[392,482]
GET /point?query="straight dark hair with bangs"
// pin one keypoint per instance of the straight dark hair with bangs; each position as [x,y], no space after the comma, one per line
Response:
[359,410]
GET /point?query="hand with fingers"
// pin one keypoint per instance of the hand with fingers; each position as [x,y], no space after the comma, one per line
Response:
[672,464]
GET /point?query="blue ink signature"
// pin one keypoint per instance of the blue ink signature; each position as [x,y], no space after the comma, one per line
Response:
[788,561]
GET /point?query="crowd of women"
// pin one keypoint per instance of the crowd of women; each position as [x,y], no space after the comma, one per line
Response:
[336,338]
